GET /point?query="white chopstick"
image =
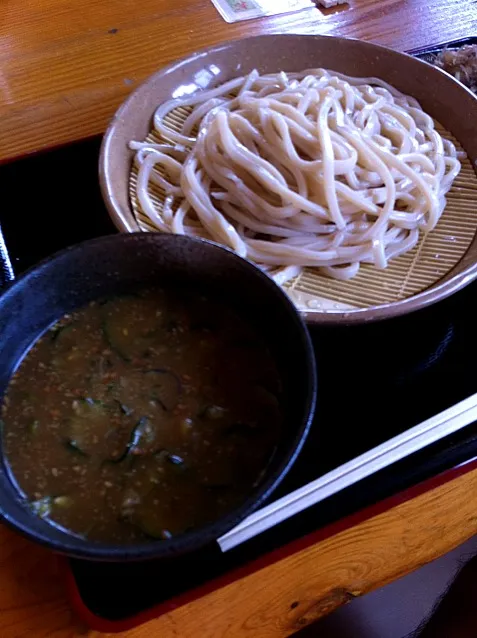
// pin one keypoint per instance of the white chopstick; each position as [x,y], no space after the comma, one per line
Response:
[420,436]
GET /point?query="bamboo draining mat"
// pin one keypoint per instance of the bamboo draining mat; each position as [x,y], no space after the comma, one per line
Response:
[430,260]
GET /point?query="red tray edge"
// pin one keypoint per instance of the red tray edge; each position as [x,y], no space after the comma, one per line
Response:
[101,624]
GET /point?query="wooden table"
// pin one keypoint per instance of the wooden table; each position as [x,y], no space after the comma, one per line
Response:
[65,66]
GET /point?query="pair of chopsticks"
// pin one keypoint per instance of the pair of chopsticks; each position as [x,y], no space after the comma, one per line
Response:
[420,436]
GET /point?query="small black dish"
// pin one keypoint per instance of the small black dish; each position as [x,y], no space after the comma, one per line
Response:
[122,263]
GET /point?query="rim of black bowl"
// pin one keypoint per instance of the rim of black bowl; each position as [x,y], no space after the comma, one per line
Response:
[201,537]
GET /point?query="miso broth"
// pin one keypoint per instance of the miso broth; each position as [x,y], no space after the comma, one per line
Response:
[142,416]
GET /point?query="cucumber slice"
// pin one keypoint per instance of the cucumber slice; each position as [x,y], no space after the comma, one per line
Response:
[88,426]
[166,388]
[130,329]
[142,437]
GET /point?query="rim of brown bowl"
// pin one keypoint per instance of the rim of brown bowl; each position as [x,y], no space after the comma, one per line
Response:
[443,97]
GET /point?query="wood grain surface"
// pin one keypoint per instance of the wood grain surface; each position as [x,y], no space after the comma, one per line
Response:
[65,65]
[275,601]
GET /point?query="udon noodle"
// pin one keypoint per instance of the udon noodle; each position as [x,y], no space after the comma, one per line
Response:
[299,169]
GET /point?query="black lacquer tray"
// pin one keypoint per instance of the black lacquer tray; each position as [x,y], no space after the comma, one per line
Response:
[374,383]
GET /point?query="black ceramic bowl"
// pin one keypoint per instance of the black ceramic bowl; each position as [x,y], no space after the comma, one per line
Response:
[121,263]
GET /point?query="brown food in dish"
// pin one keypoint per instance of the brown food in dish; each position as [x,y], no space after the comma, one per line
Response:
[461,63]
[142,416]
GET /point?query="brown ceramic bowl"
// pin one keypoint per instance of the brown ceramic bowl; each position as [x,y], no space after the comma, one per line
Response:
[441,96]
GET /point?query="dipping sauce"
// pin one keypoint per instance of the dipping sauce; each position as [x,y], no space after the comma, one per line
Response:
[142,416]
